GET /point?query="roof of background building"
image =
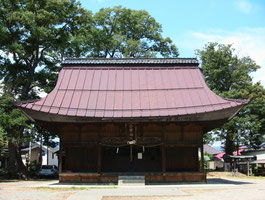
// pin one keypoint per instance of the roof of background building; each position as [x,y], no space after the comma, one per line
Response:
[210,150]
[235,153]
[172,89]
[37,145]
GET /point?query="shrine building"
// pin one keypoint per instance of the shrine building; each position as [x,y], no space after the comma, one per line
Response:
[136,116]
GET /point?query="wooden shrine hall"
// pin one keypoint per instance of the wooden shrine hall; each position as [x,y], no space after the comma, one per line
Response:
[143,116]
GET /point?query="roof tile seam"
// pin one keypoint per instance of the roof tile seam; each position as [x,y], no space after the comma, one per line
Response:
[83,85]
[123,92]
[163,91]
[98,92]
[64,92]
[105,103]
[73,90]
[140,102]
[183,103]
[114,95]
[198,72]
[192,80]
[189,94]
[149,103]
[155,83]
[90,92]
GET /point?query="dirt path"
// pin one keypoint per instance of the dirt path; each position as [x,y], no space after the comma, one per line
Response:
[224,188]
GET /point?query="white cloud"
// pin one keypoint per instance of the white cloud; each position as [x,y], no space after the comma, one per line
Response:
[246,41]
[244,6]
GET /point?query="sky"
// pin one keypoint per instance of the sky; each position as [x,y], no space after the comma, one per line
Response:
[193,23]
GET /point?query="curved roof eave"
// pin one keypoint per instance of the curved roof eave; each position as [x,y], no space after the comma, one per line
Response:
[198,117]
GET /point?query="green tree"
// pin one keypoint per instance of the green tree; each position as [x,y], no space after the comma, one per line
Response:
[121,32]
[33,35]
[229,76]
[13,123]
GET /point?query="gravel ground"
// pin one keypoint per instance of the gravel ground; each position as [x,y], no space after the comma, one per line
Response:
[223,188]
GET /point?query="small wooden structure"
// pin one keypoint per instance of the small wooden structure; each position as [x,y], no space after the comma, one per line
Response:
[238,161]
[131,117]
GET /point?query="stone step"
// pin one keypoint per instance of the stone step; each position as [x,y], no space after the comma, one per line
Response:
[131,180]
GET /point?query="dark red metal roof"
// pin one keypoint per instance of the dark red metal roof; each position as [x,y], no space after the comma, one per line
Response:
[122,91]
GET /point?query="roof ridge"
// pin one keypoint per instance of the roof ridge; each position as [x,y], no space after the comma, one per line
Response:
[108,61]
[141,58]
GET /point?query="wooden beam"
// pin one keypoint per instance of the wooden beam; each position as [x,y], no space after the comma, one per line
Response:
[182,144]
[79,144]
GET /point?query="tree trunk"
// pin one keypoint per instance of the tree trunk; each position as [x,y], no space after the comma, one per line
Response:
[16,167]
[229,143]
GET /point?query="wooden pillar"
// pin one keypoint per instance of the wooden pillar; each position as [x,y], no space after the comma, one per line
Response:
[182,133]
[202,158]
[80,133]
[202,164]
[247,167]
[131,153]
[99,161]
[234,166]
[164,167]
[60,157]
[163,150]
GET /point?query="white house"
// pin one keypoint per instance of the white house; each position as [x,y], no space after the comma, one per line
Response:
[259,153]
[30,155]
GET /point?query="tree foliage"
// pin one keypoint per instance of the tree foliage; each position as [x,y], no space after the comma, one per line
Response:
[121,32]
[32,34]
[229,76]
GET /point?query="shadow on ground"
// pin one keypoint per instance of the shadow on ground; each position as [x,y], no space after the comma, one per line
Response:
[216,181]
[7,181]
[225,181]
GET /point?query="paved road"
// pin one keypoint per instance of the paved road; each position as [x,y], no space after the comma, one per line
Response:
[216,188]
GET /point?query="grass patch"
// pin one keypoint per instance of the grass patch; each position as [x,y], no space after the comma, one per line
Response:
[246,177]
[76,188]
[51,189]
